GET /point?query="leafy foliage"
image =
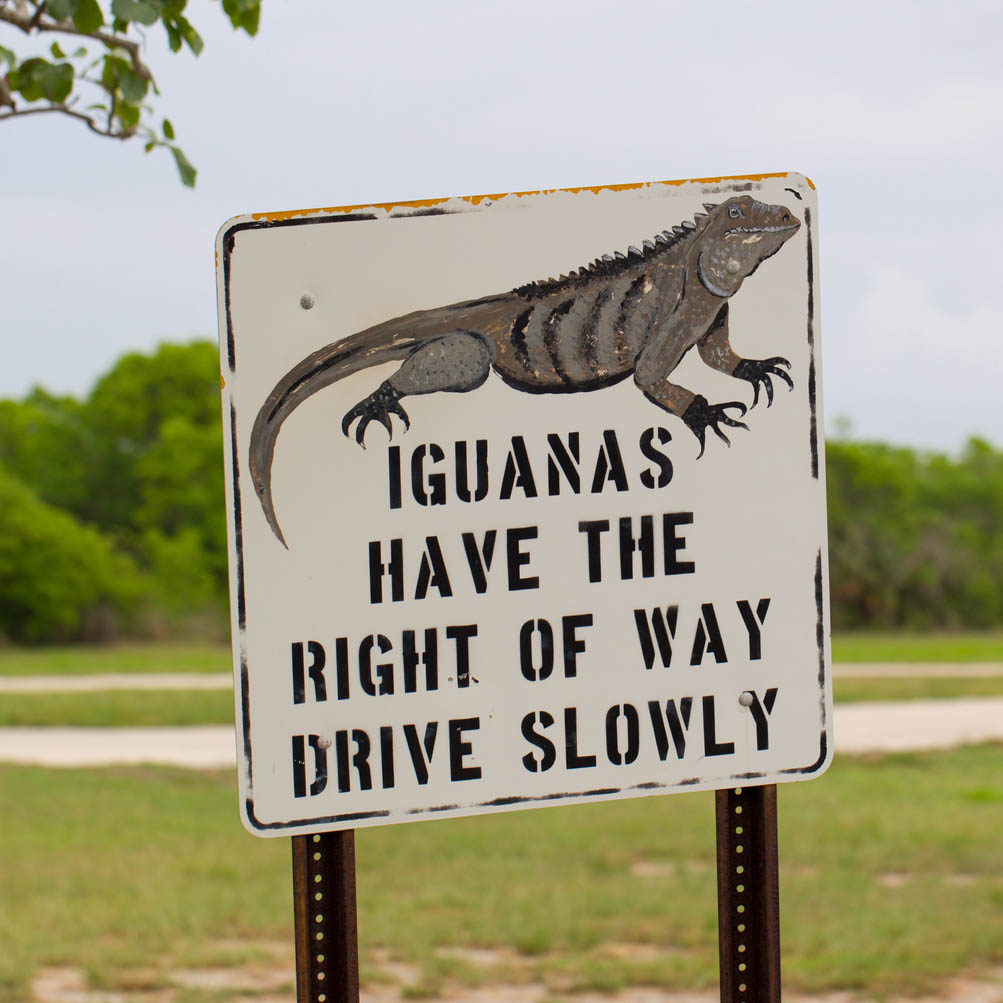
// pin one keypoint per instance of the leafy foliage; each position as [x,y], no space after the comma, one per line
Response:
[915,539]
[58,579]
[113,82]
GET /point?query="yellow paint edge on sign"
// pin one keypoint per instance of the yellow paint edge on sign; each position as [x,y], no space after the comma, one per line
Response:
[276,217]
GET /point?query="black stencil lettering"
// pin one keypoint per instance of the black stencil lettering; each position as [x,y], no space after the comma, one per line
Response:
[609,465]
[458,749]
[377,570]
[387,756]
[436,482]
[543,743]
[518,471]
[517,557]
[481,461]
[532,672]
[652,452]
[479,568]
[316,671]
[432,573]
[419,761]
[573,645]
[461,635]
[711,746]
[561,459]
[299,766]
[394,475]
[341,757]
[760,714]
[753,624]
[384,671]
[645,543]
[341,666]
[708,637]
[664,627]
[572,759]
[593,529]
[360,760]
[410,657]
[613,752]
[673,543]
[679,722]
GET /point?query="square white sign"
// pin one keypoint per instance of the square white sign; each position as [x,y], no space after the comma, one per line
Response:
[555,581]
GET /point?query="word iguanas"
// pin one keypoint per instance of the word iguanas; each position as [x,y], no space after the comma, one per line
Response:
[638,312]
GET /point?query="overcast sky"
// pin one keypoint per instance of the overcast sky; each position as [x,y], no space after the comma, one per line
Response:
[894,110]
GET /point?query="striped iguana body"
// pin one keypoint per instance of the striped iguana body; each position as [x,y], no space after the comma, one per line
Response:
[635,313]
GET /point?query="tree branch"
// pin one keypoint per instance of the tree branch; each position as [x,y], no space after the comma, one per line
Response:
[29,23]
[61,108]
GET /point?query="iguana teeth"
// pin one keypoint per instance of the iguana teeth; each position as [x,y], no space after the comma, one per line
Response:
[710,206]
[635,251]
[687,225]
[607,258]
[667,234]
[661,238]
[563,278]
[678,230]
[620,256]
[647,245]
[699,215]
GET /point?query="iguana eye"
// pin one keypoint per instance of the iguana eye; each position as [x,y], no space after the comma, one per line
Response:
[734,212]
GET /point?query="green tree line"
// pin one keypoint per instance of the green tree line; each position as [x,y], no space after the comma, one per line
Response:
[112,515]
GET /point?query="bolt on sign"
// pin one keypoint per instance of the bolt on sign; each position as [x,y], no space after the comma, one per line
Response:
[526,500]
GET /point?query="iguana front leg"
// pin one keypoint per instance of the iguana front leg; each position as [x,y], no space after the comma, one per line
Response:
[715,349]
[659,358]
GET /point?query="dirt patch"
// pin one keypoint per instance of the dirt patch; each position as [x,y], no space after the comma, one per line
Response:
[893,879]
[230,979]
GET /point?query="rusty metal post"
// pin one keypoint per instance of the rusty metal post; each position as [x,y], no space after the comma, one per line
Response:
[327,943]
[748,895]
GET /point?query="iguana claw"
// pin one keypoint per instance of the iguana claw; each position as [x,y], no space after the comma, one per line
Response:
[758,371]
[378,406]
[700,416]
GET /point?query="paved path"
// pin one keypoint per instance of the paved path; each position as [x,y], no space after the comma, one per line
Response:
[860,728]
[223,681]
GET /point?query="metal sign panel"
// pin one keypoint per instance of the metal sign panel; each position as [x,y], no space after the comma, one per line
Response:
[554,582]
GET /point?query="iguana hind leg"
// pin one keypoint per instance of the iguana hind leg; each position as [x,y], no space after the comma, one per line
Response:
[454,363]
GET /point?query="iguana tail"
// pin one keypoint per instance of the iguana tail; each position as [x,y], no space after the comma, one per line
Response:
[392,340]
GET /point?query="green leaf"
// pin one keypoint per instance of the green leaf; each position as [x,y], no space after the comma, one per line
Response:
[37,80]
[135,10]
[128,115]
[243,14]
[173,36]
[189,34]
[57,51]
[149,146]
[134,88]
[168,129]
[7,59]
[79,52]
[185,169]
[62,9]
[87,17]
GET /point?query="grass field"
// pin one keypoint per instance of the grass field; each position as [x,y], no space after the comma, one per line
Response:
[82,660]
[890,878]
[981,646]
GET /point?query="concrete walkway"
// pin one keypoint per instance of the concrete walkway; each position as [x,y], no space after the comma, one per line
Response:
[860,728]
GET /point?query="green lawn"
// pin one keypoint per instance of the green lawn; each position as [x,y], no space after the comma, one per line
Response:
[973,646]
[853,690]
[108,708]
[890,879]
[82,660]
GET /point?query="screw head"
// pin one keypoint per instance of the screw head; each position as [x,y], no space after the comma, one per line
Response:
[745,699]
[307,301]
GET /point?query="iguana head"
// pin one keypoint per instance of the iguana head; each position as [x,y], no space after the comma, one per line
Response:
[738,235]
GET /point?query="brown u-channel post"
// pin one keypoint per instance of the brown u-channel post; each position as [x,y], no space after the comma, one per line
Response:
[327,943]
[748,895]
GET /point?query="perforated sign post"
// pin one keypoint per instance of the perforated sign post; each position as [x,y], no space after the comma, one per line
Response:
[490,548]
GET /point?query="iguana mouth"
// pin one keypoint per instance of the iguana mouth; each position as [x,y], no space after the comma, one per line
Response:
[761,229]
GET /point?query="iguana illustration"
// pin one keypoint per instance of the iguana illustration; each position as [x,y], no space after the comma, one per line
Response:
[635,313]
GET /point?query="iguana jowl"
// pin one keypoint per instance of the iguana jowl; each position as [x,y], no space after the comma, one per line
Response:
[638,312]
